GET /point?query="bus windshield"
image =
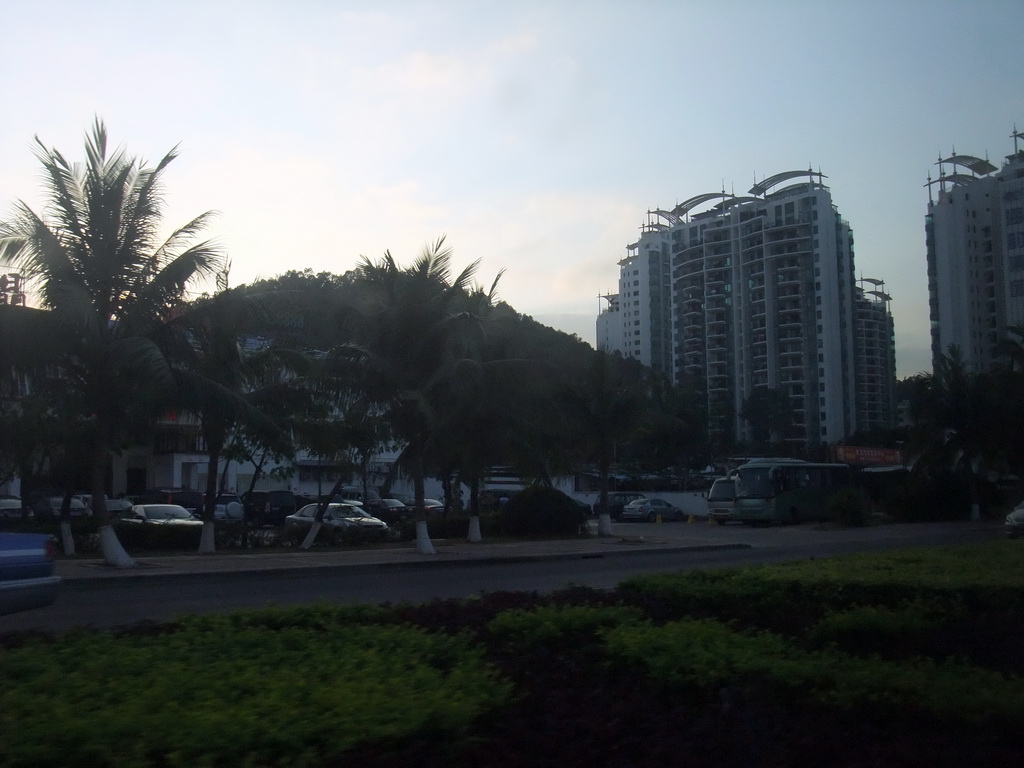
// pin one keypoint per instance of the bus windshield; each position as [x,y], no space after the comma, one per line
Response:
[754,482]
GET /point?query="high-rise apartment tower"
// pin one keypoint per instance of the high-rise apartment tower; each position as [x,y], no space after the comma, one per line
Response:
[974,232]
[759,291]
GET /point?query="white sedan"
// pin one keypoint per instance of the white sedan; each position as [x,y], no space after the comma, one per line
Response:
[650,510]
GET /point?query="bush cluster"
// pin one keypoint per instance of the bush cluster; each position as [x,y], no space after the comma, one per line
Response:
[542,511]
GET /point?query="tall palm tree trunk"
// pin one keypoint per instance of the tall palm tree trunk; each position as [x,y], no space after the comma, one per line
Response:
[114,553]
[474,510]
[208,539]
[423,543]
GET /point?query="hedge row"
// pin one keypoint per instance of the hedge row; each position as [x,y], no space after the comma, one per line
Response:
[902,658]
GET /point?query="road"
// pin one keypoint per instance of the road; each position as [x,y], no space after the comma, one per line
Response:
[105,603]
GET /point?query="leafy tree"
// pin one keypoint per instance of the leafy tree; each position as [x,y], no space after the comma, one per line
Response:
[956,415]
[109,283]
[223,380]
[603,407]
[412,332]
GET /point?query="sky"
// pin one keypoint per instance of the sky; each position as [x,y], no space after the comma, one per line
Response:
[533,136]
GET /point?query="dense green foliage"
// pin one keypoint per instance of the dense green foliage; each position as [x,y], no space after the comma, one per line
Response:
[279,691]
[904,658]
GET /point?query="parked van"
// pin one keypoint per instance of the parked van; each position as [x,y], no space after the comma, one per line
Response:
[721,500]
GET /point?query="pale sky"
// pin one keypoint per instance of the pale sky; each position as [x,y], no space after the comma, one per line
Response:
[534,135]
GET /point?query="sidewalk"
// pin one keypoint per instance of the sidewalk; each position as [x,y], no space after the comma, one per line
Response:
[449,553]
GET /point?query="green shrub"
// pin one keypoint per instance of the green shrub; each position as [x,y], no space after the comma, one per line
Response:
[558,626]
[891,632]
[542,511]
[216,693]
[709,655]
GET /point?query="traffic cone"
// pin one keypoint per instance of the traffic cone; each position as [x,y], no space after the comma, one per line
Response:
[691,519]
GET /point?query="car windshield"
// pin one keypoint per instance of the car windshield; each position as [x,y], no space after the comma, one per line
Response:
[166,512]
[347,510]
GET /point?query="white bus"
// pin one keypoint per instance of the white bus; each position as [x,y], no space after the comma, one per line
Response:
[786,490]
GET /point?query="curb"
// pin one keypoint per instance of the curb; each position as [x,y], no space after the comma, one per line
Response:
[148,570]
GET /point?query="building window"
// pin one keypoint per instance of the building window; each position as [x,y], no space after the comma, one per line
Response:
[1015,215]
[1016,288]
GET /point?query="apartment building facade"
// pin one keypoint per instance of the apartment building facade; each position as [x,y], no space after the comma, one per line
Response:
[974,232]
[759,291]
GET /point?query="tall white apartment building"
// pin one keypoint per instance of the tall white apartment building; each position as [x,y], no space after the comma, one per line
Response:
[760,291]
[975,244]
[637,320]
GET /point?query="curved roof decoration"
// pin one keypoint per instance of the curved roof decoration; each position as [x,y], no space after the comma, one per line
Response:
[765,184]
[880,294]
[973,164]
[688,205]
[953,178]
[671,217]
[734,201]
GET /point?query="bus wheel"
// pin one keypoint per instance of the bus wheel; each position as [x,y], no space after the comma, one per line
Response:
[794,518]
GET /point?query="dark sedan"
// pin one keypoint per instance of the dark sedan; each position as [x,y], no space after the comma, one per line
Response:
[27,578]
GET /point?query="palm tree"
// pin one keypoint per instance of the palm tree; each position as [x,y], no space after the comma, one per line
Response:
[109,283]
[956,415]
[603,407]
[413,332]
[222,380]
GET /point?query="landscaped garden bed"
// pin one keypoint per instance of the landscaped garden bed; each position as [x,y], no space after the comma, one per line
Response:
[907,658]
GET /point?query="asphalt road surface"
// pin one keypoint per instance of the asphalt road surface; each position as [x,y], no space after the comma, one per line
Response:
[105,603]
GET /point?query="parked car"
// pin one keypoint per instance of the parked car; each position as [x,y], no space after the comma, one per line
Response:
[650,510]
[49,507]
[269,507]
[117,506]
[27,578]
[340,515]
[228,508]
[432,506]
[616,501]
[355,493]
[391,511]
[11,508]
[1015,522]
[160,514]
[188,498]
[722,500]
